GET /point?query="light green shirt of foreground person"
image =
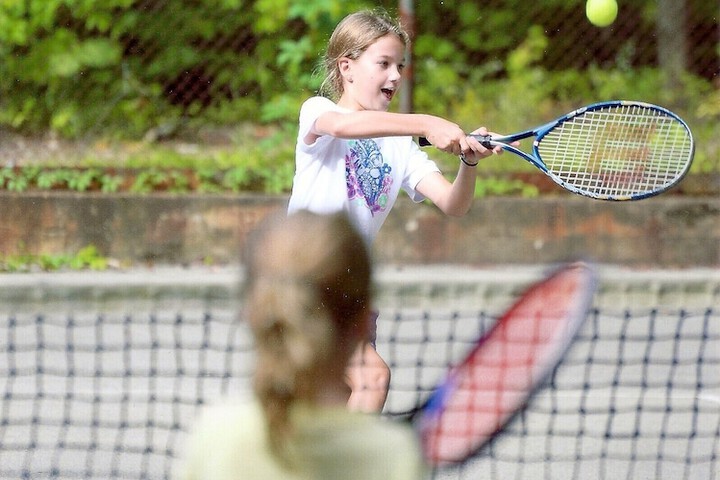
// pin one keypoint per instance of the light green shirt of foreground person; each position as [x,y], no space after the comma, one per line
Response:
[330,443]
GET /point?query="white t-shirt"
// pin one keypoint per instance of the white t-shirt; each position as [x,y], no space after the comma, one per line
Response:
[360,177]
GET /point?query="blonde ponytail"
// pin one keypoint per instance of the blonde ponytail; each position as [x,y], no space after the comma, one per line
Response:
[308,285]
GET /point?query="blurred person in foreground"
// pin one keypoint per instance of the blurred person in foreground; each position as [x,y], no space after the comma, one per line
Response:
[308,304]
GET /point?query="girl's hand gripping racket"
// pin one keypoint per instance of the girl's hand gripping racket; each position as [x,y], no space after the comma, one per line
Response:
[505,367]
[618,150]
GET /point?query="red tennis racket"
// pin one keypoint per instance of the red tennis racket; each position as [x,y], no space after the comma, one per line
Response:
[505,367]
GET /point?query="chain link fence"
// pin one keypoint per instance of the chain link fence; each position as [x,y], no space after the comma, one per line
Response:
[631,42]
[157,69]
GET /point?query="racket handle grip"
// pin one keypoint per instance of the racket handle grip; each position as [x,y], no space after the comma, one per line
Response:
[483,139]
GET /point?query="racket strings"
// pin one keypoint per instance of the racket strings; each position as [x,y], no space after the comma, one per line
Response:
[623,150]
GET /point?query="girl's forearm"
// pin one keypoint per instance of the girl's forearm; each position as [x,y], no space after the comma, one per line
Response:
[372,124]
[462,193]
[454,199]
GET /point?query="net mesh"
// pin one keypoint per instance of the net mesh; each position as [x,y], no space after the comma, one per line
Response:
[618,151]
[98,384]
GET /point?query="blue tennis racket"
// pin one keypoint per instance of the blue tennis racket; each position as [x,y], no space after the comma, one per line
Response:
[618,150]
[505,367]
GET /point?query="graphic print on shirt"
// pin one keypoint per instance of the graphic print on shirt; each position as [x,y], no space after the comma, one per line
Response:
[367,176]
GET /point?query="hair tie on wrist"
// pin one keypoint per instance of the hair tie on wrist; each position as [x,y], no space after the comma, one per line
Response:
[462,159]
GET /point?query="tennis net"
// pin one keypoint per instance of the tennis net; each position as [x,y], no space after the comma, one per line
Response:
[102,375]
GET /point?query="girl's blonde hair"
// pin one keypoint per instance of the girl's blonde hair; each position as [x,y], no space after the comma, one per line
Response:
[352,36]
[308,288]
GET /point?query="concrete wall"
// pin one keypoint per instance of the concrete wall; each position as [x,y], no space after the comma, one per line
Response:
[665,231]
[661,231]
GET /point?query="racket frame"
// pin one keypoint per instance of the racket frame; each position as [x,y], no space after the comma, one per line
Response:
[581,304]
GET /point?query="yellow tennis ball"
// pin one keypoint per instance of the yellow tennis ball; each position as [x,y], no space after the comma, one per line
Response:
[601,13]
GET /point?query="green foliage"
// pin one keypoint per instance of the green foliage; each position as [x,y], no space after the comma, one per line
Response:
[12,181]
[110,69]
[530,95]
[50,179]
[34,177]
[69,63]
[109,183]
[498,186]
[260,162]
[87,258]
